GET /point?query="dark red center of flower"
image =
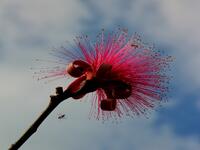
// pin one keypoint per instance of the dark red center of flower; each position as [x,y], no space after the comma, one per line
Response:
[90,81]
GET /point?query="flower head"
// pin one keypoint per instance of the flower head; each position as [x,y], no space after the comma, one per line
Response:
[127,76]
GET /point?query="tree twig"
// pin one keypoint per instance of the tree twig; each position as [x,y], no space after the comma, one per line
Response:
[55,100]
[87,87]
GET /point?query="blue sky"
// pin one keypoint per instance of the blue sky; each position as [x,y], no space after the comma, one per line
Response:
[29,29]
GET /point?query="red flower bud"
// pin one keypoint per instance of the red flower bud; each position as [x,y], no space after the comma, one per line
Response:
[121,90]
[108,104]
[117,89]
[76,86]
[77,68]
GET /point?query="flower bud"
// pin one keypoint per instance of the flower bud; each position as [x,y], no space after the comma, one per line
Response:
[77,68]
[121,91]
[75,86]
[103,70]
[117,89]
[108,104]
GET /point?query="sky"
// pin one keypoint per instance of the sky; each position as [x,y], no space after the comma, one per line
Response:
[29,29]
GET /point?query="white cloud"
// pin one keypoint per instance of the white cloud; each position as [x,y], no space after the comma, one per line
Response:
[175,23]
[36,25]
[182,31]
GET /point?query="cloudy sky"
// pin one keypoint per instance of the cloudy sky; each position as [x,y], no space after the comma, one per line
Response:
[29,29]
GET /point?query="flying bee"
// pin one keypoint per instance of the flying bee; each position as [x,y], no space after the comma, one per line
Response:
[61,116]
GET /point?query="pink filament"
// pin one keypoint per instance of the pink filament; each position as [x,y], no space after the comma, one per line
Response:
[132,62]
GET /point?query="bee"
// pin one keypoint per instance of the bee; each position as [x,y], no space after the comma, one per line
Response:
[61,116]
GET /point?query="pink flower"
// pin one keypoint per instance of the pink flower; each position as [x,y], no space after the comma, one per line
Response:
[127,76]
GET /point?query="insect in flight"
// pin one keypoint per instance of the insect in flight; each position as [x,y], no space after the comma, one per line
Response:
[61,116]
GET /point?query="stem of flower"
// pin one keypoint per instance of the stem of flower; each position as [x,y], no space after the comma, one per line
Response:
[55,100]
